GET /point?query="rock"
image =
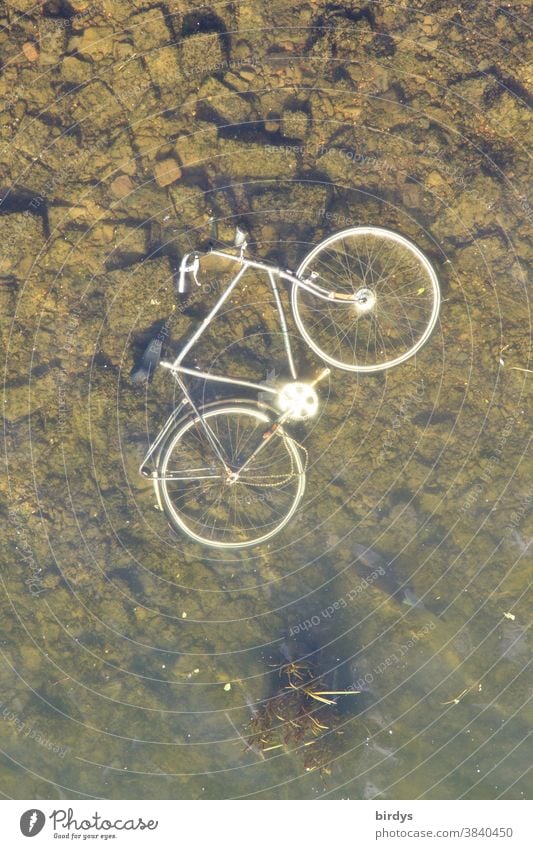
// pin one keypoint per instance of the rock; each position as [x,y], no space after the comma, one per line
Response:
[75,71]
[472,91]
[429,25]
[247,73]
[123,244]
[272,125]
[163,66]
[256,160]
[198,146]
[87,211]
[122,156]
[352,113]
[131,83]
[52,45]
[228,105]
[145,202]
[435,180]
[82,8]
[96,109]
[18,6]
[507,114]
[235,82]
[33,141]
[412,196]
[30,51]
[94,43]
[150,137]
[122,186]
[166,172]
[200,54]
[295,124]
[189,201]
[22,238]
[149,30]
[336,164]
[381,78]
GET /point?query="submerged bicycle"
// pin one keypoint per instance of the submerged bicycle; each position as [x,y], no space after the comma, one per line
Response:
[228,473]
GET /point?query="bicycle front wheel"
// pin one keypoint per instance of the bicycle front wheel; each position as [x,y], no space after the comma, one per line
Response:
[386,305]
[211,507]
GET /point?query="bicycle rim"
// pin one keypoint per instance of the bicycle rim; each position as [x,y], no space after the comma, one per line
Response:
[192,481]
[399,306]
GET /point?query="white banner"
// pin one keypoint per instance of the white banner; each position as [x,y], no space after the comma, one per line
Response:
[263,824]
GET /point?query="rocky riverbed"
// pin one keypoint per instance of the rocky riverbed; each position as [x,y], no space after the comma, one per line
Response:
[126,128]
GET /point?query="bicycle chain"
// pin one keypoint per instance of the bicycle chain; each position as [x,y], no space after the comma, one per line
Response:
[283,478]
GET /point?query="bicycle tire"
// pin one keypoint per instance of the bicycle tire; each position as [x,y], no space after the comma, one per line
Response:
[213,513]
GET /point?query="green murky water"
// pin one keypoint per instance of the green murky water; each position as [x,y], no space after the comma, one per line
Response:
[124,128]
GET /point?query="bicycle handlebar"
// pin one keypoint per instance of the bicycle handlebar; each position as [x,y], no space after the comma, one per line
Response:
[184,268]
[247,262]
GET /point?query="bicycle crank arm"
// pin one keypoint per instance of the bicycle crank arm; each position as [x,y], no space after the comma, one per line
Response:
[320,376]
[267,436]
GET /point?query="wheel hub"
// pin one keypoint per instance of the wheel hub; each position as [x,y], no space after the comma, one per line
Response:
[299,400]
[365,300]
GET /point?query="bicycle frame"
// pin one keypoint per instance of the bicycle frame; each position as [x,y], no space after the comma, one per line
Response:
[177,369]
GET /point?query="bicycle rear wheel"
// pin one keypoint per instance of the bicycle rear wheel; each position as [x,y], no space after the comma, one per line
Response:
[193,483]
[387,305]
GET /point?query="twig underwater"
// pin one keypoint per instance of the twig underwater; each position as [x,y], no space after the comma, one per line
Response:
[300,712]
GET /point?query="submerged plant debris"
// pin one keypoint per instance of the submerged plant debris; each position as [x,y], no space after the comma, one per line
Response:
[297,715]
